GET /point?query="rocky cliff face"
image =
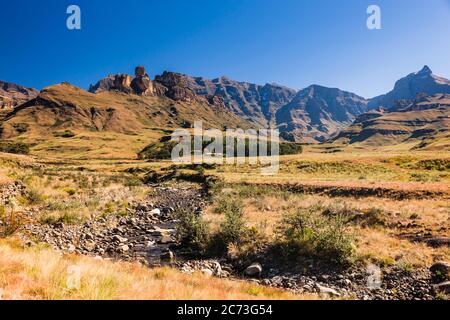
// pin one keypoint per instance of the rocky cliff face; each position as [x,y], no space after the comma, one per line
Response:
[12,95]
[408,87]
[255,103]
[140,84]
[252,102]
[317,113]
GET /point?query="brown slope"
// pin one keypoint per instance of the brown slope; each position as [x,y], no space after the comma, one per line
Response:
[426,118]
[66,107]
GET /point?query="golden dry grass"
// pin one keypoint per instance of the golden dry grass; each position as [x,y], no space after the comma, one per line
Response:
[40,273]
[264,210]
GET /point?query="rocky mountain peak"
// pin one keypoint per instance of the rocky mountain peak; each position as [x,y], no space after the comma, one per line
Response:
[407,88]
[425,71]
[140,84]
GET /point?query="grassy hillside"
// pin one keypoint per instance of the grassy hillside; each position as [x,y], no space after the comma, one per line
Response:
[422,124]
[66,119]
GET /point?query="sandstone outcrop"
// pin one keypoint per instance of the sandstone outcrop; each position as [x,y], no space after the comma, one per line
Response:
[141,84]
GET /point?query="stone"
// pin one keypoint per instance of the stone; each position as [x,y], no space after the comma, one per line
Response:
[156,212]
[89,246]
[207,272]
[118,238]
[124,248]
[254,270]
[443,287]
[441,270]
[166,240]
[71,248]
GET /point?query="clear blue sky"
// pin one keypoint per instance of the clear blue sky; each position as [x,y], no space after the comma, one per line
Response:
[292,42]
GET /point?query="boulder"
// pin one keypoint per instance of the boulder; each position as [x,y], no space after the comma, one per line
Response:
[207,272]
[254,270]
[441,271]
[443,287]
[155,212]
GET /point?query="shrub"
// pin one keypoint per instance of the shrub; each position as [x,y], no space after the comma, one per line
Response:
[66,217]
[34,197]
[233,228]
[132,181]
[233,231]
[64,134]
[192,230]
[70,191]
[14,147]
[307,232]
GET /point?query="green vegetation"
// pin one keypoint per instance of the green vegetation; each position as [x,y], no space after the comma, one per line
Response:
[233,229]
[64,134]
[307,232]
[14,147]
[162,150]
[192,230]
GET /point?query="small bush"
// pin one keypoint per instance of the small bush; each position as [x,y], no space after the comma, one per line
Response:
[66,217]
[132,181]
[70,191]
[34,197]
[309,233]
[192,230]
[14,147]
[233,232]
[64,134]
[233,228]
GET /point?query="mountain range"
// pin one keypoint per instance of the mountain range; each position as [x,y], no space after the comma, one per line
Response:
[311,115]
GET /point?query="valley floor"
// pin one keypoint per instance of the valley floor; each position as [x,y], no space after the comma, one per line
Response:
[371,210]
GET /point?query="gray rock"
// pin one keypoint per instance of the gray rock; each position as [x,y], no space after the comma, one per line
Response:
[207,272]
[443,287]
[254,270]
[156,212]
[120,239]
[441,270]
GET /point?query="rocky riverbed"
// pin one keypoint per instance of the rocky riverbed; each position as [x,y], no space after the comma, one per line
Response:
[148,235]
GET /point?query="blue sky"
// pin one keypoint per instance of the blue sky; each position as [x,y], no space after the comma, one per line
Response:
[292,42]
